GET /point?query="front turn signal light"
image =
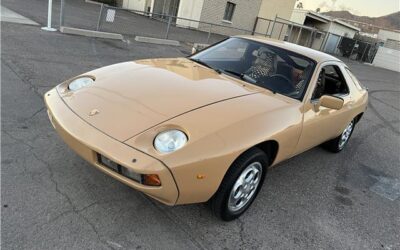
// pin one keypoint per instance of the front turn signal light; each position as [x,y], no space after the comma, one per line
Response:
[151,180]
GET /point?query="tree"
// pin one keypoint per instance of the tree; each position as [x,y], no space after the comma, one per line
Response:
[299,5]
[318,10]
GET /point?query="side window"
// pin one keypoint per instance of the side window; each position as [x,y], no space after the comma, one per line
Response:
[331,71]
[355,80]
[330,82]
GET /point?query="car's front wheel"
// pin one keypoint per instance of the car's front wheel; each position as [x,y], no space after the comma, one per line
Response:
[240,185]
[337,144]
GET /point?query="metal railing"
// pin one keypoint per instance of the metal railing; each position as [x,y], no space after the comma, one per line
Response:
[286,30]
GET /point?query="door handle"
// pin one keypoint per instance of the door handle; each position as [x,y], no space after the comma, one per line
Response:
[351,102]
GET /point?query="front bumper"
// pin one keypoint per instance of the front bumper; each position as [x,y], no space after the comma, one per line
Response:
[88,142]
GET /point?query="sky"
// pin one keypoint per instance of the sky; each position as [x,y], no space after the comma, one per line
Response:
[373,8]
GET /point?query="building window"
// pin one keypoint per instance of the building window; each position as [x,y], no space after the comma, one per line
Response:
[229,10]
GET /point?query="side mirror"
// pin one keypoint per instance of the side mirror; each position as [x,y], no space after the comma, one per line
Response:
[197,47]
[331,102]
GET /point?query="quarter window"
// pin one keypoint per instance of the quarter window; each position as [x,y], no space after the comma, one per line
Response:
[355,80]
[229,10]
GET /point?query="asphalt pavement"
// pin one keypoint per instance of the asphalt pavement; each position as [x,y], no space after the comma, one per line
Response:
[52,199]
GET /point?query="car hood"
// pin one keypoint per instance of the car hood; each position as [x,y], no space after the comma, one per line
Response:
[129,98]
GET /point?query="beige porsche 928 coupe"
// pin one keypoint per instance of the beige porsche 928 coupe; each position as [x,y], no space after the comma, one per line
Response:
[207,127]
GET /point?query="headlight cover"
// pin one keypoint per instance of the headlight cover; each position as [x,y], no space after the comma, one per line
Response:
[80,83]
[170,141]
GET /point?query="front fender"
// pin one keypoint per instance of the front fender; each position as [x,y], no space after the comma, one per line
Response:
[218,134]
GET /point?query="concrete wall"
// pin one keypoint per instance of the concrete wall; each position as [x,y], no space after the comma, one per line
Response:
[298,16]
[158,7]
[386,34]
[165,7]
[264,27]
[323,26]
[388,59]
[317,42]
[212,11]
[279,32]
[270,8]
[244,16]
[139,5]
[149,5]
[190,9]
[299,38]
[392,44]
[341,30]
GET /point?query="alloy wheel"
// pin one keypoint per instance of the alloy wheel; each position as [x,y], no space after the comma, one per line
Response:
[346,135]
[245,187]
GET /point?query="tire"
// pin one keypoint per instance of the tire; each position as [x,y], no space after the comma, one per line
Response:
[337,144]
[240,180]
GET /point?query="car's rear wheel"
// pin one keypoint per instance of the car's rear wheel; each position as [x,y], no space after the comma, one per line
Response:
[337,144]
[240,185]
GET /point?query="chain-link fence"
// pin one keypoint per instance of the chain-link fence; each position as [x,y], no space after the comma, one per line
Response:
[102,17]
[129,23]
[351,48]
[79,14]
[286,30]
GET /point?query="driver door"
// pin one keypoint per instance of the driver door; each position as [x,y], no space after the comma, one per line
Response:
[321,124]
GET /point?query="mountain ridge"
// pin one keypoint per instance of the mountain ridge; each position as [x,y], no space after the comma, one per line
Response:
[390,21]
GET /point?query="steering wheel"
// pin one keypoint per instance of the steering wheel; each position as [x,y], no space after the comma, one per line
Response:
[278,83]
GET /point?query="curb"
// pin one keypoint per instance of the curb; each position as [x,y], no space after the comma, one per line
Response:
[144,39]
[93,2]
[90,33]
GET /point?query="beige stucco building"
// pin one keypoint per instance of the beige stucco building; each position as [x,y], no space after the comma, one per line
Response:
[391,38]
[239,14]
[332,30]
[324,23]
[269,11]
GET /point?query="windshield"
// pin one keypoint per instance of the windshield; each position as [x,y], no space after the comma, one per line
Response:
[278,70]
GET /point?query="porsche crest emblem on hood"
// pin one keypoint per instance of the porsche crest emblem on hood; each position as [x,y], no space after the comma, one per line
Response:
[94,112]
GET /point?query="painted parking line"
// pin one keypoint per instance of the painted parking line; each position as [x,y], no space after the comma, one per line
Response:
[10,16]
[388,188]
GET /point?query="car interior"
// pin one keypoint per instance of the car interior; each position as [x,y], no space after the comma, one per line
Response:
[330,82]
[276,69]
[289,75]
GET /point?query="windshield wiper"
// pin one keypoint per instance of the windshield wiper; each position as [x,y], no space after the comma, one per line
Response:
[205,64]
[248,79]
[242,76]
